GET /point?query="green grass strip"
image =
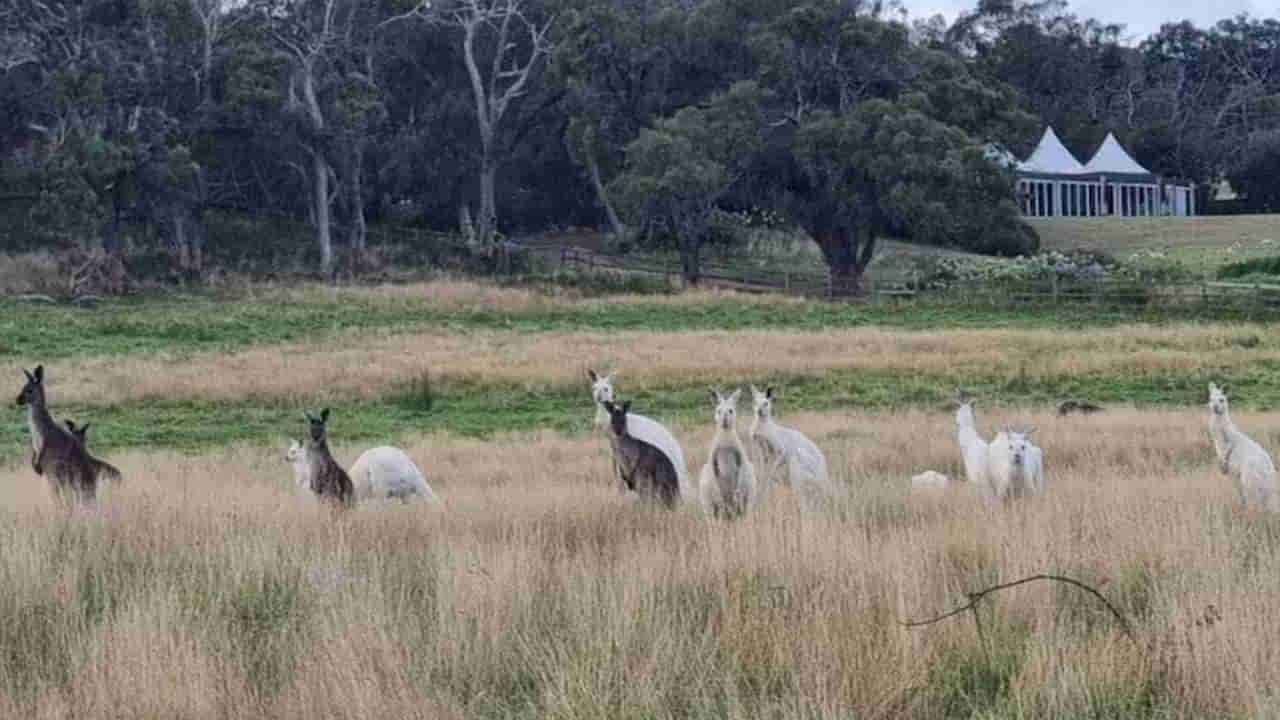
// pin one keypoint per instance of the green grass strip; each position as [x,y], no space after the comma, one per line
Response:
[42,333]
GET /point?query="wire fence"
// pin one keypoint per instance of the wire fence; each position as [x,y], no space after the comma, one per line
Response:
[1209,295]
[744,278]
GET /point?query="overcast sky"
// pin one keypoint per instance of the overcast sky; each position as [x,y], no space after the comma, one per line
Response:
[1140,17]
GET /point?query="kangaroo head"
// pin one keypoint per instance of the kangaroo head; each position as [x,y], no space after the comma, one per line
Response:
[1217,400]
[726,408]
[964,414]
[762,402]
[601,386]
[318,430]
[618,416]
[1018,444]
[80,433]
[33,392]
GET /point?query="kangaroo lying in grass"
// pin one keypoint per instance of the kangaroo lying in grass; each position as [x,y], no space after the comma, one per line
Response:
[57,453]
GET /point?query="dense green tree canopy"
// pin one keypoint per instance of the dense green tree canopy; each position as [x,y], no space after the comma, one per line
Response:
[123,123]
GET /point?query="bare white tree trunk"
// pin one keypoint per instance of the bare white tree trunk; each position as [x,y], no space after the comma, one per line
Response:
[506,80]
[320,171]
[320,203]
[355,187]
[593,167]
[307,47]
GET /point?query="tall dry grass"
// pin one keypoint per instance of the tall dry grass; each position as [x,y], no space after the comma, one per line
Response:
[454,293]
[370,365]
[205,587]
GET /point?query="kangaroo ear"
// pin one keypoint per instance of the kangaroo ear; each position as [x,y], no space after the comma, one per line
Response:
[324,415]
[70,426]
[592,376]
[307,416]
[39,373]
[768,392]
[715,395]
[84,428]
[30,377]
[733,396]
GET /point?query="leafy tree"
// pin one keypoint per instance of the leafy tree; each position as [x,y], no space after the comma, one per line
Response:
[100,122]
[505,45]
[888,167]
[614,60]
[678,172]
[1256,176]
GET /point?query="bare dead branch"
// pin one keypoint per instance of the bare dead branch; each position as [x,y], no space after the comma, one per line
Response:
[977,597]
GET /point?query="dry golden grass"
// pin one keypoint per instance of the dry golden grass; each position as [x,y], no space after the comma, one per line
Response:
[450,293]
[205,587]
[369,366]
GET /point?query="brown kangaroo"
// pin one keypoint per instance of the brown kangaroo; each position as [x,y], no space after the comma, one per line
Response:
[80,433]
[644,468]
[328,480]
[55,452]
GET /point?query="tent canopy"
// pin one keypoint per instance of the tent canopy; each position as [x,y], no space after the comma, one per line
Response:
[1052,157]
[1112,158]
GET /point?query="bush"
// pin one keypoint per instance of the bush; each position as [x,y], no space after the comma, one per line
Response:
[1073,268]
[1256,266]
[600,282]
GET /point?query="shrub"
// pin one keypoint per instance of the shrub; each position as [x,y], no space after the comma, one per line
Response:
[1071,269]
[1256,266]
[599,282]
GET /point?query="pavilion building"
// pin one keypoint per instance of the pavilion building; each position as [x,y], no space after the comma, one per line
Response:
[1052,183]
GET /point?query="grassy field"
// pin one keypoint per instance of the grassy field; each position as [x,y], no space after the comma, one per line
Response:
[1202,243]
[205,586]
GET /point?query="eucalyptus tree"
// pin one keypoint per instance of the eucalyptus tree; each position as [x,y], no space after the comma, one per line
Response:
[505,48]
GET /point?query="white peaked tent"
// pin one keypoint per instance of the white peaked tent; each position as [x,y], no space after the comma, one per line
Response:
[1052,157]
[1052,183]
[1111,158]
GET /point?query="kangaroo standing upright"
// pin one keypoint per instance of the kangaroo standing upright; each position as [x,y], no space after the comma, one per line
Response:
[328,480]
[56,453]
[643,467]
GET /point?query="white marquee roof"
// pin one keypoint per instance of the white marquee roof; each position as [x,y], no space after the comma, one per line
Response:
[1051,156]
[1112,158]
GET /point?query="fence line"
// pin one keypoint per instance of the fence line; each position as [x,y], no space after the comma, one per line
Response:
[742,278]
[1052,291]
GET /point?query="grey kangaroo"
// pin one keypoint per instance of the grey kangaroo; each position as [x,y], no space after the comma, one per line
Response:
[644,468]
[81,433]
[56,453]
[328,480]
